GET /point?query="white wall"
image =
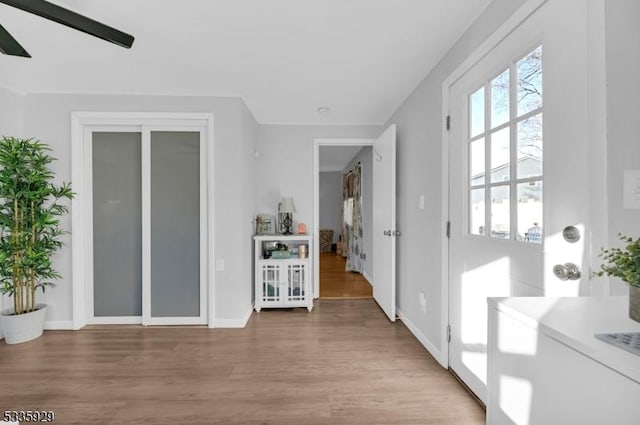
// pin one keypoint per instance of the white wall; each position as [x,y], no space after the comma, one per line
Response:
[419,172]
[365,156]
[330,200]
[623,114]
[47,117]
[248,172]
[11,124]
[285,166]
[11,113]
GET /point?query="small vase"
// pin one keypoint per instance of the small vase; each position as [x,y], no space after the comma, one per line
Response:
[634,302]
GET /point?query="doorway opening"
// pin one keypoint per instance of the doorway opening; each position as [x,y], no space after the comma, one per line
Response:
[383,210]
[343,218]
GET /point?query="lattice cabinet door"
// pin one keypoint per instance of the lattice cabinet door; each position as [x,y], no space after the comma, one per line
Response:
[296,282]
[282,279]
[271,280]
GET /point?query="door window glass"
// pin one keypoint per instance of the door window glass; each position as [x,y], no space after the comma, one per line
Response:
[476,163]
[477,211]
[529,71]
[505,153]
[500,99]
[476,103]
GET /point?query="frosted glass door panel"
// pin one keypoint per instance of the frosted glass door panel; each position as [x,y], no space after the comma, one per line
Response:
[175,224]
[117,224]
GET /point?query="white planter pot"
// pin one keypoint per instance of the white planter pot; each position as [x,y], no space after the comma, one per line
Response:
[23,327]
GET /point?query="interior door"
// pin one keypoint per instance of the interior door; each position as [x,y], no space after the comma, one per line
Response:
[518,175]
[147,255]
[384,221]
[174,220]
[117,226]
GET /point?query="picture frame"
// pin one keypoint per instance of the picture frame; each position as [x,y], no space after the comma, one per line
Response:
[265,224]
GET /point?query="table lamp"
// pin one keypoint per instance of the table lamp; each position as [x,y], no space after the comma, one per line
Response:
[286,208]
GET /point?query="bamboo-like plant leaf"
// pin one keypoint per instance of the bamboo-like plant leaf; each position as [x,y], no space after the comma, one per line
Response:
[30,211]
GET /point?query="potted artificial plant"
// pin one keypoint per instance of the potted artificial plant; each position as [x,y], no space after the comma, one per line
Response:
[624,263]
[30,233]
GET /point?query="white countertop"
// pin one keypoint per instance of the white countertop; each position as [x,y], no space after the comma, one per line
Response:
[574,321]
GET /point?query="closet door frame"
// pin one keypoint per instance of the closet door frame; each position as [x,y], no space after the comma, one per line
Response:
[82,126]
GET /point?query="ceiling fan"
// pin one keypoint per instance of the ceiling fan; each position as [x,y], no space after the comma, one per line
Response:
[53,12]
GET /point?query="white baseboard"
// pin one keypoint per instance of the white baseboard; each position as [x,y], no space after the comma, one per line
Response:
[423,339]
[52,325]
[367,277]
[234,323]
[58,325]
[116,320]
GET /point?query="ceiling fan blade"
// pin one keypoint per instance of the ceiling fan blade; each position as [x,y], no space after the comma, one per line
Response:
[9,45]
[72,19]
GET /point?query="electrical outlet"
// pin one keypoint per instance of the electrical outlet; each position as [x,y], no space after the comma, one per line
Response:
[421,202]
[363,256]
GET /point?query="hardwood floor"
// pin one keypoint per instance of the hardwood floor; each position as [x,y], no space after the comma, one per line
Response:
[344,363]
[335,282]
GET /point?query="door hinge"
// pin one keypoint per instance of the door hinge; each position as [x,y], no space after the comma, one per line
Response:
[448,122]
[448,229]
[448,333]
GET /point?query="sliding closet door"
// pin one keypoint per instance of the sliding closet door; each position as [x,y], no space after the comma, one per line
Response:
[148,239]
[117,227]
[175,219]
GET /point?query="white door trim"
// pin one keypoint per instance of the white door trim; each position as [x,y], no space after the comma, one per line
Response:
[80,121]
[494,39]
[316,197]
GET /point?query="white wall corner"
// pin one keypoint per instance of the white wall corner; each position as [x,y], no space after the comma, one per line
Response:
[430,347]
[367,277]
[234,323]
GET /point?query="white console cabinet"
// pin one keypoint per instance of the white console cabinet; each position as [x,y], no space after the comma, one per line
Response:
[282,282]
[547,368]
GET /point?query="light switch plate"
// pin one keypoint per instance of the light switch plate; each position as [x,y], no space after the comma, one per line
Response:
[421,202]
[220,264]
[631,190]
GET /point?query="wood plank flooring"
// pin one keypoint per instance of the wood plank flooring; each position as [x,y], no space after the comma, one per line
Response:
[335,282]
[344,363]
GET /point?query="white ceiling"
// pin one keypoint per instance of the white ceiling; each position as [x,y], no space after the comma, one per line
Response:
[285,58]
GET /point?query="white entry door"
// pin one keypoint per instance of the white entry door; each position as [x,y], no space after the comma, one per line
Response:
[518,175]
[384,221]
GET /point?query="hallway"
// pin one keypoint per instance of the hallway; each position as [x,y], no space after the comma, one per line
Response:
[335,282]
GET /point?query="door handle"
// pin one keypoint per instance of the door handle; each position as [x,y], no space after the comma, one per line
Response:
[387,232]
[391,233]
[567,271]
